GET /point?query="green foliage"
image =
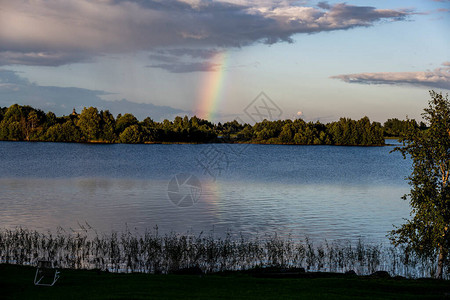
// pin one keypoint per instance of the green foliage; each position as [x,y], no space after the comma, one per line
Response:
[108,127]
[89,123]
[13,113]
[26,123]
[15,132]
[50,119]
[125,121]
[131,135]
[12,124]
[396,128]
[298,132]
[427,232]
[66,132]
[361,132]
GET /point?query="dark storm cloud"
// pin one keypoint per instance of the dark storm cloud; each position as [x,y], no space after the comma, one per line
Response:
[53,32]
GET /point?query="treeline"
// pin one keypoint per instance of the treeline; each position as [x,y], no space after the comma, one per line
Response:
[24,123]
[298,132]
[397,128]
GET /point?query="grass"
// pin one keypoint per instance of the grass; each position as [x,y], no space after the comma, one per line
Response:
[16,282]
[151,252]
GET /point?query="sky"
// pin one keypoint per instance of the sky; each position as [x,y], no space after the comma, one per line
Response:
[316,60]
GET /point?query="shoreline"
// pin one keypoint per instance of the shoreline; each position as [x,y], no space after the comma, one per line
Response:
[199,143]
[17,283]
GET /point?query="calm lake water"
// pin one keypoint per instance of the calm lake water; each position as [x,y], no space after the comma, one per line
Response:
[323,192]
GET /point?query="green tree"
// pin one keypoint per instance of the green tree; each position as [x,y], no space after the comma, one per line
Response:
[125,121]
[14,113]
[427,232]
[89,123]
[69,132]
[149,131]
[15,131]
[32,123]
[396,127]
[66,132]
[246,133]
[2,113]
[12,125]
[108,126]
[131,135]
[53,133]
[287,134]
[50,120]
[186,123]
[178,123]
[194,121]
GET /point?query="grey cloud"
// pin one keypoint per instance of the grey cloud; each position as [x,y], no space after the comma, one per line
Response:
[362,14]
[184,60]
[194,53]
[162,58]
[324,5]
[438,78]
[61,100]
[41,58]
[180,67]
[8,77]
[54,32]
[177,55]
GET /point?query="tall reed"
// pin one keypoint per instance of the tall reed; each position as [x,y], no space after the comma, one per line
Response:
[152,252]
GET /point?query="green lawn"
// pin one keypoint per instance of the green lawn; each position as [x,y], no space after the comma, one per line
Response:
[16,282]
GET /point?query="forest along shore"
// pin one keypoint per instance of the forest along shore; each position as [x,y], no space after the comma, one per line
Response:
[25,123]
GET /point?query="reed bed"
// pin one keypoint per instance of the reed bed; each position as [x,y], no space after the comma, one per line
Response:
[152,252]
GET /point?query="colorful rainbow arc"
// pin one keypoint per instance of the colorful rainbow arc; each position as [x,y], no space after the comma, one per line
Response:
[211,93]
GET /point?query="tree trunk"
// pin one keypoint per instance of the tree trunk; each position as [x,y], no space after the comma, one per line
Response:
[441,260]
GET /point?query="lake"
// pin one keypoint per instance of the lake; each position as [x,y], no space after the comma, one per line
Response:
[323,192]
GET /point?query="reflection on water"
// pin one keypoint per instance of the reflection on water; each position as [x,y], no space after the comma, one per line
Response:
[322,212]
[322,192]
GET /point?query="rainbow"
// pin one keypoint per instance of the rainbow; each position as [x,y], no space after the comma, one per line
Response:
[211,92]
